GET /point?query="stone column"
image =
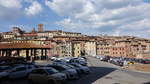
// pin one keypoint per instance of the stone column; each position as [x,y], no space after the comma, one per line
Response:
[6,52]
[27,54]
[34,53]
[0,53]
[31,53]
[18,53]
[45,53]
[9,53]
[42,54]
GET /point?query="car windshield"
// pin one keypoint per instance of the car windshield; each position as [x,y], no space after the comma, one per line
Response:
[59,68]
[51,71]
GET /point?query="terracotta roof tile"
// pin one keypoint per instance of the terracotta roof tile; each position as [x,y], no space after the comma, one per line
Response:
[21,45]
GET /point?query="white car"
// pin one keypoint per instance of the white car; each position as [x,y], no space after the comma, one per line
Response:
[46,75]
[20,71]
[98,57]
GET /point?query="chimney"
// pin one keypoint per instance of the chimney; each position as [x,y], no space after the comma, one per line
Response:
[40,27]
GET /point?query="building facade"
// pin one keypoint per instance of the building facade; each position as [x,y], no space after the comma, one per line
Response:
[76,49]
[90,48]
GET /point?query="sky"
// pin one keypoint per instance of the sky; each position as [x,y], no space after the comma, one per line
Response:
[92,17]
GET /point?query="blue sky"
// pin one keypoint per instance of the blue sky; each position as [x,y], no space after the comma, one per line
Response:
[147,1]
[112,17]
[46,16]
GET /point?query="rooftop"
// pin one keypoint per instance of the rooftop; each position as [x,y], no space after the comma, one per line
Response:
[21,46]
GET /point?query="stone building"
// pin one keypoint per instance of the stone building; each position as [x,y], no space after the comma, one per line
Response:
[103,48]
[120,49]
[7,35]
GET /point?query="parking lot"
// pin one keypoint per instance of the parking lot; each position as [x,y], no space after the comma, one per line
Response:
[46,71]
[102,73]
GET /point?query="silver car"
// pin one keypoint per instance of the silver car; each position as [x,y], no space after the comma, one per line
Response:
[71,73]
[46,75]
[20,71]
[84,69]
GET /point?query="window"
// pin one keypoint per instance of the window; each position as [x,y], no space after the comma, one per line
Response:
[38,71]
[20,69]
[59,68]
[51,71]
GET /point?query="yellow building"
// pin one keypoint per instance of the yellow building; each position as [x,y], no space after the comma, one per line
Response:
[90,48]
[76,49]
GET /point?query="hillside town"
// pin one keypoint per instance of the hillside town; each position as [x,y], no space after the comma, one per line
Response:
[43,44]
[74,42]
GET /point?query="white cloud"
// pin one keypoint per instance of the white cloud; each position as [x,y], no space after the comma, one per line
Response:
[8,7]
[103,16]
[138,28]
[11,3]
[34,9]
[68,6]
[13,9]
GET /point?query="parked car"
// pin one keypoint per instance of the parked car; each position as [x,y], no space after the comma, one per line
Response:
[79,61]
[76,68]
[53,58]
[83,69]
[116,62]
[20,71]
[104,58]
[67,59]
[71,73]
[98,57]
[46,75]
[4,72]
[84,57]
[146,61]
[59,62]
[131,62]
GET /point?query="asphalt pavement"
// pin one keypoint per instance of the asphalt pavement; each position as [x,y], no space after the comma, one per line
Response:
[106,73]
